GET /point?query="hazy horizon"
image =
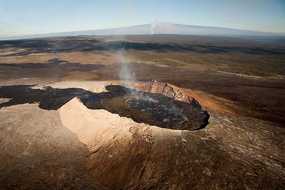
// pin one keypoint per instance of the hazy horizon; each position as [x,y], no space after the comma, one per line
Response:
[33,17]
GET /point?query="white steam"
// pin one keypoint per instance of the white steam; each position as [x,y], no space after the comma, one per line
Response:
[125,73]
[153,27]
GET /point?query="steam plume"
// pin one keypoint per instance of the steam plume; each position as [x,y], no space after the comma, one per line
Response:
[125,73]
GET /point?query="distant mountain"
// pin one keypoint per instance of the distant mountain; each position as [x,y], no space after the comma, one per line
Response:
[179,29]
[164,28]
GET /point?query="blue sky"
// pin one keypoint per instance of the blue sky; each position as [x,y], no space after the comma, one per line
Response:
[46,16]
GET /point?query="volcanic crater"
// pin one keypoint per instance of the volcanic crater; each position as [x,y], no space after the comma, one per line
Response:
[154,103]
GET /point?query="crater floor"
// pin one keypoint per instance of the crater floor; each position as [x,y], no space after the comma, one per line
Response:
[144,107]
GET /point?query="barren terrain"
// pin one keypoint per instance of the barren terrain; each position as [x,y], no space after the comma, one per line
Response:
[54,137]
